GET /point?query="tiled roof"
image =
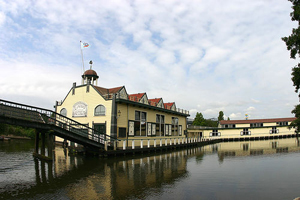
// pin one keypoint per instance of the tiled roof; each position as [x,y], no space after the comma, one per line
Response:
[168,105]
[107,91]
[250,121]
[154,102]
[135,97]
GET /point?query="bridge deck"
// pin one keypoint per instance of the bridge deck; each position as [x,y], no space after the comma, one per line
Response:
[47,120]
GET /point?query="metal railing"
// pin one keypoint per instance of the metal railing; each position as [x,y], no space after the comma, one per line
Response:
[40,115]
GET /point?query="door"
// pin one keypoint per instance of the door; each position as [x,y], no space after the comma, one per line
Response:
[100,131]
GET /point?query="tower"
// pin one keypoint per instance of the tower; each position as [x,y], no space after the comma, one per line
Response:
[90,76]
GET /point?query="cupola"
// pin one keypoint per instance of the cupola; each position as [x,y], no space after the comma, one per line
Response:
[90,76]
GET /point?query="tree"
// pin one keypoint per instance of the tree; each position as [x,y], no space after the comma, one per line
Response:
[228,118]
[293,45]
[221,116]
[199,120]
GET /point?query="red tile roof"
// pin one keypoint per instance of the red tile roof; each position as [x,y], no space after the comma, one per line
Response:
[135,97]
[169,105]
[250,121]
[154,102]
[107,91]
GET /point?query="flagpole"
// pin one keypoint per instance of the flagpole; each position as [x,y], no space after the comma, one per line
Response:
[82,57]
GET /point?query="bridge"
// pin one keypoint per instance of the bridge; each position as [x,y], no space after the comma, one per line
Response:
[50,123]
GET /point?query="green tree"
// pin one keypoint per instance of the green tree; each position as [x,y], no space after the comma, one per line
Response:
[221,116]
[211,123]
[293,45]
[3,129]
[199,120]
[228,118]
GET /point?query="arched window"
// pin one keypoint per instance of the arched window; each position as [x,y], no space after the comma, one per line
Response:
[99,110]
[63,112]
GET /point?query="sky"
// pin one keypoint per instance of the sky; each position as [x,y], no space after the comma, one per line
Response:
[205,55]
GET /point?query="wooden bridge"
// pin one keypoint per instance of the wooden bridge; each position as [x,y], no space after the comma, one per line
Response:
[50,123]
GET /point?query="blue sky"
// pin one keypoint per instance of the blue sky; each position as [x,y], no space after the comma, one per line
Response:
[206,56]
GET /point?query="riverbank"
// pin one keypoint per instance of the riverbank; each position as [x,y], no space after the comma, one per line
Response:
[8,137]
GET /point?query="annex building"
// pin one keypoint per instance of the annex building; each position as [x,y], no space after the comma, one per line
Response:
[245,129]
[114,112]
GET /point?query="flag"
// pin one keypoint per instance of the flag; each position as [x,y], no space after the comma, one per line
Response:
[84,45]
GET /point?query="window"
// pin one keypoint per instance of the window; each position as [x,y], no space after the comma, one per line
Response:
[214,133]
[174,126]
[229,126]
[160,125]
[256,125]
[246,147]
[274,130]
[63,112]
[245,132]
[100,110]
[282,123]
[140,123]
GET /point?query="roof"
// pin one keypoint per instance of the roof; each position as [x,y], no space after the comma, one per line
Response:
[135,97]
[250,121]
[90,72]
[169,105]
[154,102]
[107,91]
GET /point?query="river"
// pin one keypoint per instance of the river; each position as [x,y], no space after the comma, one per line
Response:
[268,169]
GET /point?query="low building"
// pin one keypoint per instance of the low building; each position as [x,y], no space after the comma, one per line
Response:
[114,112]
[245,129]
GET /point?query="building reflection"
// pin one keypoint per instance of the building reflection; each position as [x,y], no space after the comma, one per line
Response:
[133,177]
[253,148]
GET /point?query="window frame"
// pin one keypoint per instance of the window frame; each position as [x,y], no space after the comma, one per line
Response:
[100,113]
[140,120]
[63,109]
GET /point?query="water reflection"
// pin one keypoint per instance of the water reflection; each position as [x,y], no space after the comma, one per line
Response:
[253,148]
[137,177]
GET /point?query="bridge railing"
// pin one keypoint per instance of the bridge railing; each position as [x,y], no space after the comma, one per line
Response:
[40,115]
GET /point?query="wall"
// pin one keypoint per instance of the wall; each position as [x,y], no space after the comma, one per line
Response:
[92,99]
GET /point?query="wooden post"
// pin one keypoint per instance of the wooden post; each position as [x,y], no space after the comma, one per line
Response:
[105,145]
[37,138]
[115,145]
[43,171]
[124,144]
[37,171]
[43,147]
[50,145]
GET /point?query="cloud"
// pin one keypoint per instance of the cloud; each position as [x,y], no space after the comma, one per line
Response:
[230,58]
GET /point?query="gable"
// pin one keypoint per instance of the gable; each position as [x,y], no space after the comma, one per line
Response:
[122,93]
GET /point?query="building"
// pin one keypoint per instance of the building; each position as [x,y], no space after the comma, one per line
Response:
[114,112]
[245,129]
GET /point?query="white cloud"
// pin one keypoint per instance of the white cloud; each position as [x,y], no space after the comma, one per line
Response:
[227,57]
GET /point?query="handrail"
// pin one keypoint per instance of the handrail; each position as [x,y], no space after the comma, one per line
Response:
[51,117]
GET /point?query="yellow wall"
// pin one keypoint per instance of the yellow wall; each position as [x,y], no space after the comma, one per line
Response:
[236,132]
[92,99]
[128,113]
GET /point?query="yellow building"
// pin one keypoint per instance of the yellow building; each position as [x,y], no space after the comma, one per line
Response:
[114,112]
[245,129]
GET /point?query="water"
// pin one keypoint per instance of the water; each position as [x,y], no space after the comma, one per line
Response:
[233,170]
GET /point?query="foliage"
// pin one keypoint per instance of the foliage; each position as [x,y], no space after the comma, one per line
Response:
[296,123]
[228,118]
[17,131]
[221,116]
[293,45]
[200,121]
[3,128]
[211,123]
